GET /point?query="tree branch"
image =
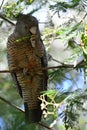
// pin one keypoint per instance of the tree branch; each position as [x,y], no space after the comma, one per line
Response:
[9,103]
[6,19]
[52,67]
[5,71]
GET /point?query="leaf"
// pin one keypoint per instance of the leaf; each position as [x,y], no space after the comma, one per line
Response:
[30,1]
[49,92]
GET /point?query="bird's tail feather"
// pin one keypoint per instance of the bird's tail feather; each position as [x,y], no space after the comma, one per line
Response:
[34,115]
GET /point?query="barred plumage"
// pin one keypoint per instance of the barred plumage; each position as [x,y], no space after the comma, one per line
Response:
[25,58]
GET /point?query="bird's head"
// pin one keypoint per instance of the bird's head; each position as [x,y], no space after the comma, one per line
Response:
[26,25]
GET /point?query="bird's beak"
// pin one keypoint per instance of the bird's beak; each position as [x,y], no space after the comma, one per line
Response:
[33,30]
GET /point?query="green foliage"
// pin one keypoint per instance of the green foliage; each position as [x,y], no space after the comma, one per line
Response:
[58,6]
[74,108]
[84,40]
[12,9]
[54,75]
[14,119]
[84,49]
[73,103]
[65,32]
[27,2]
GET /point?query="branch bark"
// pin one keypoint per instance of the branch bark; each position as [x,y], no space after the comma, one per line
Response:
[6,19]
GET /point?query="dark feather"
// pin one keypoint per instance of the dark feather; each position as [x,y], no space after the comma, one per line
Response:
[16,83]
[33,115]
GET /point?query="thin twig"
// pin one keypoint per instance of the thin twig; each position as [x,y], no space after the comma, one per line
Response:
[58,61]
[5,71]
[18,108]
[46,68]
[6,19]
[1,4]
[83,17]
[9,103]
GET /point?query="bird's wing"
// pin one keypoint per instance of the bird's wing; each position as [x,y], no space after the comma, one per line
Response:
[12,65]
[44,65]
